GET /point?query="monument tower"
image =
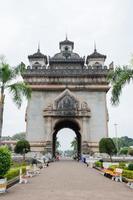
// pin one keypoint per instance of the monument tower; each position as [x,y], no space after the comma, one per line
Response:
[68,91]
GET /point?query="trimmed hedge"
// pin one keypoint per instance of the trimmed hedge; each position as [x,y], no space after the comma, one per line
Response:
[127,174]
[14,172]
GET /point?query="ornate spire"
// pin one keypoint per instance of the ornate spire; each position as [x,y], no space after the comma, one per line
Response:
[95,49]
[38,50]
[66,37]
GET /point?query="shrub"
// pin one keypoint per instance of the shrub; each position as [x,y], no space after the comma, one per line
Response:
[106,145]
[130,166]
[127,174]
[23,170]
[99,164]
[12,173]
[5,161]
[130,151]
[122,165]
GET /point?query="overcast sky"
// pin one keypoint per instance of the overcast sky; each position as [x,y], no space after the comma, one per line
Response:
[109,23]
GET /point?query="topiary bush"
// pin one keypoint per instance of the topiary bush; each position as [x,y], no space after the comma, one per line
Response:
[5,161]
[22,147]
[130,166]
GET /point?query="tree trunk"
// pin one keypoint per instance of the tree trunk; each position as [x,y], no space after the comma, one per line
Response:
[111,158]
[2,97]
[24,157]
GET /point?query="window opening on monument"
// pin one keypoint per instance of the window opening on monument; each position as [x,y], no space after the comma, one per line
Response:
[66,143]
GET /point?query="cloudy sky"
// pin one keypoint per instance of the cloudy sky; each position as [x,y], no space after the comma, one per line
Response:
[109,23]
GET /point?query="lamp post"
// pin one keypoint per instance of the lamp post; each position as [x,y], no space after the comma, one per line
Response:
[116,136]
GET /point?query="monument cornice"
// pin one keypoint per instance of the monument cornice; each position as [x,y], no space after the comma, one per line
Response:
[71,87]
[96,72]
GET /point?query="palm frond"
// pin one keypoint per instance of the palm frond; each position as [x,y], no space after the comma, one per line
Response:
[8,73]
[118,79]
[5,72]
[18,91]
[20,69]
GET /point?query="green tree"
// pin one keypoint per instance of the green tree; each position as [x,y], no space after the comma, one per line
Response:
[74,145]
[22,147]
[118,79]
[17,89]
[124,141]
[5,161]
[106,145]
[57,145]
[124,151]
[19,136]
[130,151]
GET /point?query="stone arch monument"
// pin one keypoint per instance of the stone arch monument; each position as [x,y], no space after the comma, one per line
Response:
[67,91]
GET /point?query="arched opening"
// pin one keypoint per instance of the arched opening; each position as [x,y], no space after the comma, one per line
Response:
[73,125]
[66,143]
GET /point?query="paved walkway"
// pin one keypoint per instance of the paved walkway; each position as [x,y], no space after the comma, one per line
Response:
[69,180]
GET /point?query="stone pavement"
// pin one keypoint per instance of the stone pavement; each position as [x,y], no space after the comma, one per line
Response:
[69,180]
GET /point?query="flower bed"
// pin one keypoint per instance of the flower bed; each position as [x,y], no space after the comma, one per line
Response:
[127,172]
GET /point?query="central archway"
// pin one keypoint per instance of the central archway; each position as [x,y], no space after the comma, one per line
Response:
[71,124]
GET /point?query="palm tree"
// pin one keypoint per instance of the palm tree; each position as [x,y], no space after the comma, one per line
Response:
[118,79]
[57,145]
[74,144]
[9,81]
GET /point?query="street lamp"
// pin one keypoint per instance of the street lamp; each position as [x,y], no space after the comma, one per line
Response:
[117,146]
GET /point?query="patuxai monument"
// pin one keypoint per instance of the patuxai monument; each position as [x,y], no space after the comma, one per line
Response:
[68,91]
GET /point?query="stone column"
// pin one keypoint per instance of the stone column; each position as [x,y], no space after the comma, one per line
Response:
[85,147]
[48,134]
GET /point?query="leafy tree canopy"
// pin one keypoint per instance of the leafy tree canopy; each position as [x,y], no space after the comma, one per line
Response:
[74,144]
[57,145]
[19,136]
[124,151]
[106,145]
[124,141]
[22,147]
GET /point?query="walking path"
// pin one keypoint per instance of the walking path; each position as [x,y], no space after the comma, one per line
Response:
[69,180]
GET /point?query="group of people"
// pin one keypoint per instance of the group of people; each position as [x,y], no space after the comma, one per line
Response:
[36,161]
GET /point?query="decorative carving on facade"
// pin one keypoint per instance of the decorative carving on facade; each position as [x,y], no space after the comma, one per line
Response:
[66,101]
[66,104]
[84,106]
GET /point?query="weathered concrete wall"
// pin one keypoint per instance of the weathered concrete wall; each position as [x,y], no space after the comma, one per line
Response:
[92,129]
